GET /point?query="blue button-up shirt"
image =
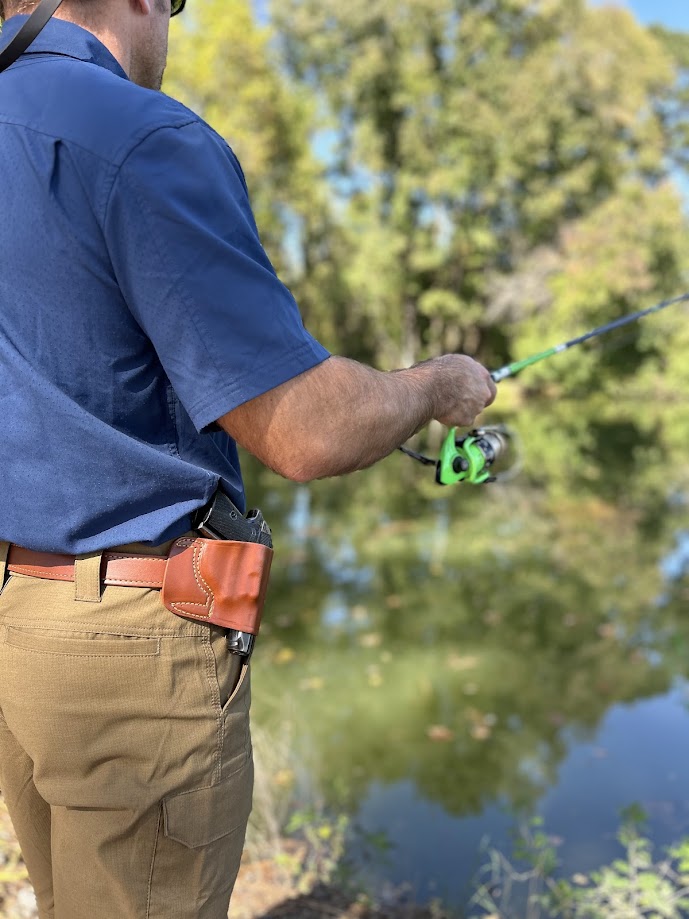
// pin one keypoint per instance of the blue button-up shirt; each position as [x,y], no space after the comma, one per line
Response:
[137,305]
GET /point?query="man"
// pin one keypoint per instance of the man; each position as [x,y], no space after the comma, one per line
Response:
[143,333]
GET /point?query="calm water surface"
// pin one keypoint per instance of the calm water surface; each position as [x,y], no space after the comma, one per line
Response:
[442,664]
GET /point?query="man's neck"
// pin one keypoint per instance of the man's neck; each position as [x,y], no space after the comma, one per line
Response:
[114,40]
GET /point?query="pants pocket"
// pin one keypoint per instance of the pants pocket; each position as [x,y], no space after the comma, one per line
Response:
[199,849]
[235,725]
[83,645]
[199,817]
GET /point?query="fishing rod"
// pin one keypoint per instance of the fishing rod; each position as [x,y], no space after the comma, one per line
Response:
[509,370]
[468,457]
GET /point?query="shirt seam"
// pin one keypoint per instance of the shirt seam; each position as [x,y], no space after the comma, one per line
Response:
[36,52]
[119,166]
[114,164]
[172,415]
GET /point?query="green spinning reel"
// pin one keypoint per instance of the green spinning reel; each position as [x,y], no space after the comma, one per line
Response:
[469,457]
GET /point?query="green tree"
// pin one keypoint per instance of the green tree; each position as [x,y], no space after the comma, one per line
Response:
[471,143]
[444,175]
[674,105]
[224,67]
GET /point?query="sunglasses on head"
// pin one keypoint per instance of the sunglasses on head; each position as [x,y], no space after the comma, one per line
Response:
[177,7]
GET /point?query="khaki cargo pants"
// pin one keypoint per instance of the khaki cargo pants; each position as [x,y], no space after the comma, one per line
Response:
[125,754]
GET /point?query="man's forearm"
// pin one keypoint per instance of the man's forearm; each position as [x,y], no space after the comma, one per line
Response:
[338,417]
[362,415]
[341,415]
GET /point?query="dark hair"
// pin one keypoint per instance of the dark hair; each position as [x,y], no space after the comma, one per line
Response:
[12,7]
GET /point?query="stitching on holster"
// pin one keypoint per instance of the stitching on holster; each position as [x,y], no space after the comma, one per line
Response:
[182,606]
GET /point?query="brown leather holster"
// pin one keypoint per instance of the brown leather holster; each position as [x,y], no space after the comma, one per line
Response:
[219,581]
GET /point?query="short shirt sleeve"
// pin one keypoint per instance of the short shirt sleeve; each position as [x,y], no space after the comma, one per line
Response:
[189,262]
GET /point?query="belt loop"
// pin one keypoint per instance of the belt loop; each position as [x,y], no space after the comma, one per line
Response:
[4,553]
[87,581]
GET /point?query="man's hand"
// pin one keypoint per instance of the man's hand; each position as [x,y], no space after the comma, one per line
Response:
[464,388]
[341,416]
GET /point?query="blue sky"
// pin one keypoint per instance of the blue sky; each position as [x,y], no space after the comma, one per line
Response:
[671,13]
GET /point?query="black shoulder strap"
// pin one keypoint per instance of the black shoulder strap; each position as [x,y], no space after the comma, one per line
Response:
[28,32]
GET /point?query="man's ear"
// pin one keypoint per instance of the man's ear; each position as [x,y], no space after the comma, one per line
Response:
[142,6]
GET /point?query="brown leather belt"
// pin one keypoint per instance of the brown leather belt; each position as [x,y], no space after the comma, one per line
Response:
[119,569]
[222,582]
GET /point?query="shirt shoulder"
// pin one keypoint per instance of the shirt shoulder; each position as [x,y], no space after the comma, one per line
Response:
[88,107]
[147,112]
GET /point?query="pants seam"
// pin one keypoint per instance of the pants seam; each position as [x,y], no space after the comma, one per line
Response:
[153,858]
[215,697]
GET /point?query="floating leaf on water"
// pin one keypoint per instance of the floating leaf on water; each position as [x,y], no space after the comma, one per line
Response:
[371,640]
[480,732]
[607,630]
[312,683]
[284,778]
[440,733]
[462,661]
[375,678]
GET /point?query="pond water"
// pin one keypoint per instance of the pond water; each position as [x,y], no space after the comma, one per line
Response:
[442,664]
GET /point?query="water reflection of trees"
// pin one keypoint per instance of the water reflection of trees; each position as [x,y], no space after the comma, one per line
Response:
[475,632]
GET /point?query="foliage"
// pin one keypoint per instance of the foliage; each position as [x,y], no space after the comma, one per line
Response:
[673,104]
[469,143]
[440,175]
[443,175]
[321,862]
[632,887]
[222,64]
